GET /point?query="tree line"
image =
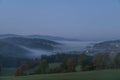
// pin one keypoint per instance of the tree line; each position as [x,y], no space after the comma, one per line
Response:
[69,62]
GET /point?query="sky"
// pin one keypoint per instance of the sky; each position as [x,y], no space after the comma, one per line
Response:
[83,19]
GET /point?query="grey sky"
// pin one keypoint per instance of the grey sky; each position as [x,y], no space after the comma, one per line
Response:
[83,19]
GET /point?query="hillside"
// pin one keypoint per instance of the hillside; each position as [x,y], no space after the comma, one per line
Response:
[93,75]
[16,45]
[13,50]
[32,43]
[47,37]
[111,47]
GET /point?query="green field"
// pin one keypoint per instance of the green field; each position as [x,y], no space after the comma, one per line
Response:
[92,75]
[7,72]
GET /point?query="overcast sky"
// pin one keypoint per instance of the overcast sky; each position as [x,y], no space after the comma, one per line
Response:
[83,19]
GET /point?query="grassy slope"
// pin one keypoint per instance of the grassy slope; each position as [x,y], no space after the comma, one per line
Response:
[93,75]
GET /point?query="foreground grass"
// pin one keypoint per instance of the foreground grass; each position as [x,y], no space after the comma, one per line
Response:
[92,75]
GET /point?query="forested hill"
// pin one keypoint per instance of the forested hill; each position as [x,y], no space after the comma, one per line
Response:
[16,49]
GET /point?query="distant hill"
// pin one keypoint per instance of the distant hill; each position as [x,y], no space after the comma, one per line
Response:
[8,49]
[39,37]
[8,35]
[32,43]
[52,38]
[17,49]
[15,45]
[111,47]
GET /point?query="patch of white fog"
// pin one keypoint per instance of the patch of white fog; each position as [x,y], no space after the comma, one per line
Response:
[66,46]
[73,46]
[36,53]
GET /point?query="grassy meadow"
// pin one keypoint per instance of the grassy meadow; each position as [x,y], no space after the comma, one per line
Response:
[7,72]
[90,75]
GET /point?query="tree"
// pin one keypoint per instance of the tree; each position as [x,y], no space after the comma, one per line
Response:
[117,60]
[56,70]
[106,61]
[0,62]
[67,65]
[0,67]
[97,58]
[83,61]
[101,60]
[70,65]
[42,68]
[20,70]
